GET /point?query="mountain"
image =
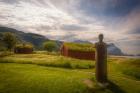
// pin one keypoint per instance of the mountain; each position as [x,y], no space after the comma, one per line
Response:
[35,39]
[112,49]
[81,41]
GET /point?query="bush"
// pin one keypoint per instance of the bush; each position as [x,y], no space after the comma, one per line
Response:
[50,46]
[5,53]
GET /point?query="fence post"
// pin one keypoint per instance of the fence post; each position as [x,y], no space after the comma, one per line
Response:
[101,61]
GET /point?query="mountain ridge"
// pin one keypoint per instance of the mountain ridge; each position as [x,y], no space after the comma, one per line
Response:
[35,39]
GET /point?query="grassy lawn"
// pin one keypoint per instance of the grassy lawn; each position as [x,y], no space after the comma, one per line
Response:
[19,78]
[47,73]
[48,60]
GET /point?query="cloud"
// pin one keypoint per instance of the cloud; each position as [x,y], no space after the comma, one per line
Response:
[132,21]
[29,15]
[9,1]
[131,46]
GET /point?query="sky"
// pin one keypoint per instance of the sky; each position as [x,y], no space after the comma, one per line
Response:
[70,20]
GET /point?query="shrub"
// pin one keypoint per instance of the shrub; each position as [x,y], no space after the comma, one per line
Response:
[5,53]
[50,46]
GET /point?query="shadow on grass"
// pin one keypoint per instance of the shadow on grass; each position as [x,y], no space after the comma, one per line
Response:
[114,88]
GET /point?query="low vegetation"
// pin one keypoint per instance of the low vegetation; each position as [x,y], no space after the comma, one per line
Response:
[50,46]
[53,60]
[18,78]
[80,47]
[20,46]
[5,53]
[131,68]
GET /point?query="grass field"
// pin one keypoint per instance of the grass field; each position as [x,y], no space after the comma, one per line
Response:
[50,73]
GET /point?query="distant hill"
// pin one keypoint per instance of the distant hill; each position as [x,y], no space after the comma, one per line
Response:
[81,41]
[114,50]
[35,39]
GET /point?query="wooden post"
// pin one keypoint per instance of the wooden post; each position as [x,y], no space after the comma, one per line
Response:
[101,61]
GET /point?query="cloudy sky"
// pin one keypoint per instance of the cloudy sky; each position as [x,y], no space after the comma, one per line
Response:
[69,20]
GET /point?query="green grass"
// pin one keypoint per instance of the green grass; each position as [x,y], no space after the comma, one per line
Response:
[80,47]
[32,74]
[19,78]
[131,68]
[5,53]
[22,46]
[48,60]
[126,82]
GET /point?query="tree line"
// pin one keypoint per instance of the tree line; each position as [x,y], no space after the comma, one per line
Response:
[10,41]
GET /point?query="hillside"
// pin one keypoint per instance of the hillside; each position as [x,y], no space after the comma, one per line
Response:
[114,50]
[35,39]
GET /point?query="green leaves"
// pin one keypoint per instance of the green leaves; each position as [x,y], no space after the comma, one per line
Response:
[9,40]
[50,46]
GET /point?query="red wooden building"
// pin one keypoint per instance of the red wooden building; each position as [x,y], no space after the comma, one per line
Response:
[87,55]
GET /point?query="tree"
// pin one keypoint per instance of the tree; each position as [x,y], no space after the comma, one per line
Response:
[9,40]
[50,46]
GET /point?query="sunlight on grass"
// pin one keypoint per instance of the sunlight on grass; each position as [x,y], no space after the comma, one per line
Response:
[49,60]
[37,79]
[37,73]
